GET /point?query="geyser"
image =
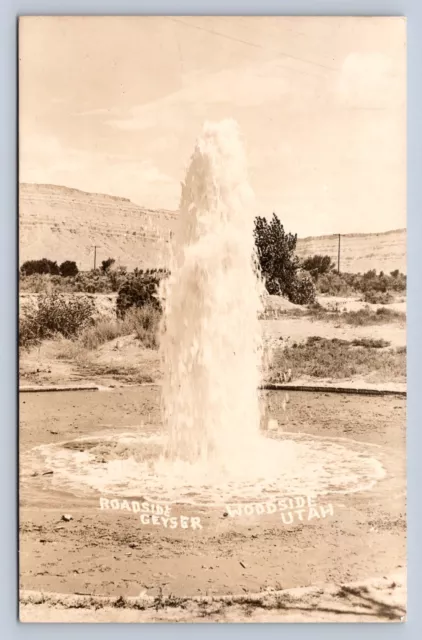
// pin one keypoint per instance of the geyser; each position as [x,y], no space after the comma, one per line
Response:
[211,341]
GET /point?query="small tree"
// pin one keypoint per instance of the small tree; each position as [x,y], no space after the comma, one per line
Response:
[279,264]
[68,268]
[276,254]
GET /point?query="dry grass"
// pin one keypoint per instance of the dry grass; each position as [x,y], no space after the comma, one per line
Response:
[55,315]
[341,359]
[103,331]
[360,318]
[143,322]
[71,350]
[368,316]
[370,343]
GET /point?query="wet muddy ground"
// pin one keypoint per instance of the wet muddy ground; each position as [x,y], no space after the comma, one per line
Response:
[111,553]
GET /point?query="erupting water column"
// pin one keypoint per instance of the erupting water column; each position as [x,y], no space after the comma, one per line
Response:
[211,341]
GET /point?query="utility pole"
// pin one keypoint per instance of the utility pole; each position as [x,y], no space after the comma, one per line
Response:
[95,256]
[338,259]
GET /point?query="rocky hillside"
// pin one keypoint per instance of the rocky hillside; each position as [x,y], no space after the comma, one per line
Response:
[360,252]
[60,224]
[64,224]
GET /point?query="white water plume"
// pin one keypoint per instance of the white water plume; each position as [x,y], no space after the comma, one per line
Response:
[212,339]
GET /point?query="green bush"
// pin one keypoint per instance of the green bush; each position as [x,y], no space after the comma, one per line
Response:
[55,315]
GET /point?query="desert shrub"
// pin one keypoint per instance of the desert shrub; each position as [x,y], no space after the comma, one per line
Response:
[35,283]
[367,316]
[318,265]
[302,289]
[334,284]
[373,282]
[92,282]
[338,359]
[55,315]
[389,314]
[117,277]
[397,281]
[46,283]
[31,267]
[145,322]
[369,284]
[68,268]
[107,264]
[101,332]
[139,290]
[377,297]
[370,343]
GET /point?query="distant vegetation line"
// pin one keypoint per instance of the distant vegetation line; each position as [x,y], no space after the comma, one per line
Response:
[284,272]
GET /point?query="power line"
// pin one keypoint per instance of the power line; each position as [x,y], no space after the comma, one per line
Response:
[254,44]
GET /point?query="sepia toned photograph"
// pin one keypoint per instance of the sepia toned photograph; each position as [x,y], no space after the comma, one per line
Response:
[212,319]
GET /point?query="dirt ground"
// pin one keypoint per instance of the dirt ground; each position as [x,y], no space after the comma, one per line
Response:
[299,329]
[350,566]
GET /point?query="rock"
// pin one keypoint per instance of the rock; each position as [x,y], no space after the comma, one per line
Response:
[66,517]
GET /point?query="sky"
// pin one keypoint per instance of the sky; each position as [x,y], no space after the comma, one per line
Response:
[114,105]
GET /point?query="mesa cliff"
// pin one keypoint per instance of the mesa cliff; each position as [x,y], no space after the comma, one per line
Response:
[61,223]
